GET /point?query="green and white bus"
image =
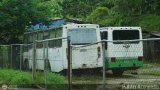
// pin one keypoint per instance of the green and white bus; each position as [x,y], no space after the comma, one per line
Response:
[121,56]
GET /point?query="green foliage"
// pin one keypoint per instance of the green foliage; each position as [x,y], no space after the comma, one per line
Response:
[24,79]
[79,8]
[103,16]
[15,77]
[55,8]
[98,15]
[150,22]
[127,13]
[15,15]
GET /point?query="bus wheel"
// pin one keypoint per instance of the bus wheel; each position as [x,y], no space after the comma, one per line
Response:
[117,72]
[26,64]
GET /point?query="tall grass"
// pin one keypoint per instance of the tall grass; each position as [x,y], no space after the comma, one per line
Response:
[54,81]
[13,77]
[24,79]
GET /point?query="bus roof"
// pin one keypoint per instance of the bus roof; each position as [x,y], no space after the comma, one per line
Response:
[119,28]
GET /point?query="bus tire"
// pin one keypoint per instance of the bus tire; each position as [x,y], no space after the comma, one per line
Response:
[117,72]
[26,64]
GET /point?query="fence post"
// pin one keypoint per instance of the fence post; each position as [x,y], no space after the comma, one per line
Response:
[45,63]
[69,63]
[11,57]
[34,61]
[104,70]
[20,57]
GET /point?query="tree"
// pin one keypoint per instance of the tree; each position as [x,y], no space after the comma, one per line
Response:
[79,8]
[15,15]
[103,16]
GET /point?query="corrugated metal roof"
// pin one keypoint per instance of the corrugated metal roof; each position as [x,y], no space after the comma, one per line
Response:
[54,23]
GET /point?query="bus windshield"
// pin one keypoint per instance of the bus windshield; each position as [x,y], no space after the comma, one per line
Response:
[126,35]
[80,36]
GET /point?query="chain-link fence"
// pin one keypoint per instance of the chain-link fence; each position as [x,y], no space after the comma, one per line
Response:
[48,58]
[4,56]
[11,56]
[133,64]
[127,64]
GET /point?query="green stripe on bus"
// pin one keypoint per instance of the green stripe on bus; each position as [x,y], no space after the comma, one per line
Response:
[124,63]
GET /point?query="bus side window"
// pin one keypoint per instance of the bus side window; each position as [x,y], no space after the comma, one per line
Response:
[58,35]
[52,35]
[58,32]
[25,38]
[46,35]
[55,34]
[39,37]
[25,42]
[58,43]
[30,38]
[35,36]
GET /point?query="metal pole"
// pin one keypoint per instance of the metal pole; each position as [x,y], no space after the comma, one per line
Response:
[104,74]
[69,63]
[34,61]
[45,62]
[20,57]
[70,66]
[11,56]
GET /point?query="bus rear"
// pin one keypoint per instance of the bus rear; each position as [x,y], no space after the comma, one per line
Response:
[123,55]
[84,57]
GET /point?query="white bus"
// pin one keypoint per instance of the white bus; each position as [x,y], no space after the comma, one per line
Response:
[88,57]
[122,56]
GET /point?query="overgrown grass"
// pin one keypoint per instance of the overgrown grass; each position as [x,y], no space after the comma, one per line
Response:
[13,77]
[88,77]
[54,81]
[150,69]
[152,73]
[150,65]
[24,79]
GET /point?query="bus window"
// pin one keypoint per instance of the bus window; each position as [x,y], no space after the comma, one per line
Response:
[81,36]
[25,42]
[30,38]
[52,34]
[58,43]
[39,45]
[125,35]
[25,38]
[34,36]
[46,35]
[104,35]
[58,33]
[40,36]
[55,43]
